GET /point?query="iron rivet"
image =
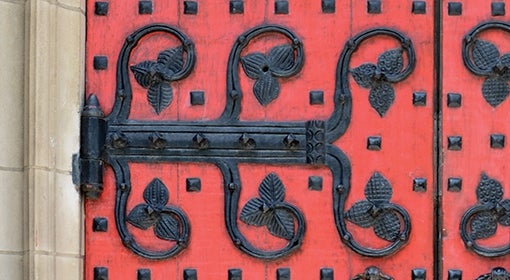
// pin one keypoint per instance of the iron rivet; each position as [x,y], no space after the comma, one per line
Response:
[145,7]
[326,274]
[340,188]
[236,7]
[454,184]
[454,143]
[454,8]
[190,274]
[101,8]
[232,186]
[190,7]
[100,224]
[193,184]
[419,98]
[281,7]
[328,6]
[347,237]
[419,7]
[374,6]
[454,274]
[315,183]
[237,242]
[419,274]
[144,274]
[100,62]
[453,100]
[197,97]
[403,236]
[123,186]
[100,273]
[241,39]
[316,97]
[497,141]
[498,9]
[290,141]
[283,274]
[374,143]
[469,244]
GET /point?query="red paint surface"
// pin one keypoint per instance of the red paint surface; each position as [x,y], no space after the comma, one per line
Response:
[407,133]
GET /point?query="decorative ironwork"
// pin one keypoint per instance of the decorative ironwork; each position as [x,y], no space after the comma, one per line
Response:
[378,212]
[378,78]
[279,62]
[497,273]
[157,75]
[481,221]
[227,141]
[165,219]
[483,58]
[372,273]
[270,210]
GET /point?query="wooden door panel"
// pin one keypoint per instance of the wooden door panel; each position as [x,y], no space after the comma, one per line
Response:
[472,115]
[207,110]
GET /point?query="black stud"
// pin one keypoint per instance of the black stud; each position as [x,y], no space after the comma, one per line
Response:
[328,6]
[315,183]
[455,143]
[100,224]
[145,7]
[157,140]
[454,8]
[290,141]
[419,98]
[281,7]
[454,184]
[247,142]
[197,98]
[100,62]
[100,273]
[420,185]
[101,8]
[374,6]
[193,184]
[144,274]
[190,7]
[283,274]
[235,274]
[498,9]
[236,7]
[419,7]
[190,274]
[200,141]
[454,274]
[374,143]
[327,274]
[453,100]
[419,274]
[497,141]
[316,97]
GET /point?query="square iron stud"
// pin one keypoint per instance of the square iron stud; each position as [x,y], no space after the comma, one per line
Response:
[328,6]
[327,274]
[145,7]
[190,274]
[497,141]
[454,274]
[281,7]
[454,184]
[190,7]
[419,7]
[100,62]
[236,7]
[197,98]
[374,6]
[454,8]
[419,98]
[144,274]
[498,9]
[101,8]
[193,184]
[316,97]
[100,273]
[235,274]
[315,183]
[283,274]
[374,143]
[100,224]
[453,100]
[455,143]
[419,274]
[420,185]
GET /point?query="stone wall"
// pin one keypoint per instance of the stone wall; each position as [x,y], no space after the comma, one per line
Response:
[41,83]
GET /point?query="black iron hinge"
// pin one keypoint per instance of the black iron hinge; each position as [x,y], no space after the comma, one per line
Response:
[88,165]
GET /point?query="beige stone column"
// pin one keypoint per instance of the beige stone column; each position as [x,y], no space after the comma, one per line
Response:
[54,76]
[12,221]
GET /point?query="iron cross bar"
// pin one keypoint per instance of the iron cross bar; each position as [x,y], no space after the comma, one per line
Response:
[225,142]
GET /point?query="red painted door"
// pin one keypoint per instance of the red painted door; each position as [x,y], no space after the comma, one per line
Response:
[294,140]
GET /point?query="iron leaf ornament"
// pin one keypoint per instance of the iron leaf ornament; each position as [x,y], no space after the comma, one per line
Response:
[269,209]
[484,223]
[152,212]
[264,68]
[377,210]
[377,78]
[486,56]
[157,75]
[497,273]
[372,273]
